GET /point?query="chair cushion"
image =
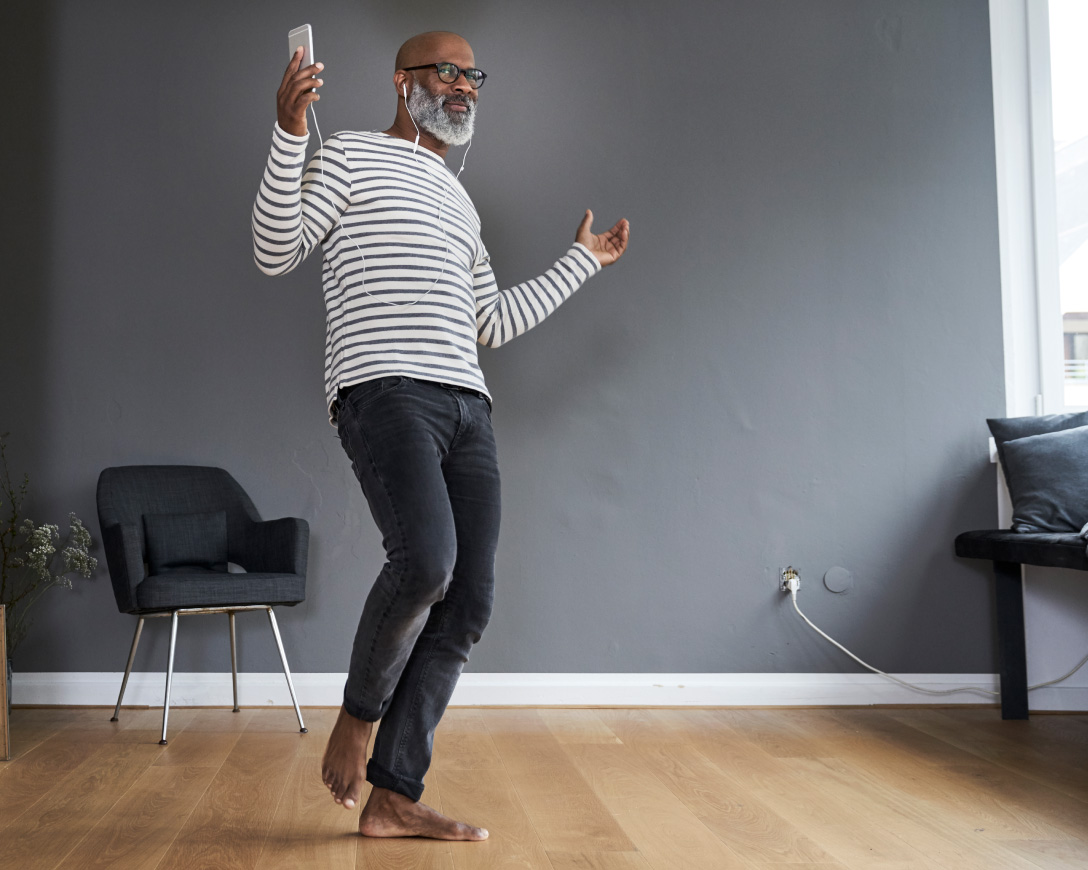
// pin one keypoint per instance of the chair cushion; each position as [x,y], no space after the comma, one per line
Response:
[181,542]
[1004,545]
[216,589]
[1048,481]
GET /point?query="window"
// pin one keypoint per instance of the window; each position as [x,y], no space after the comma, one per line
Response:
[1068,31]
[1040,88]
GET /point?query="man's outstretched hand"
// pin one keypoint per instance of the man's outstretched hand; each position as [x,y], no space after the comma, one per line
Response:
[608,246]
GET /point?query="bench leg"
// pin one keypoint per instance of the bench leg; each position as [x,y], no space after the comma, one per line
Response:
[1012,653]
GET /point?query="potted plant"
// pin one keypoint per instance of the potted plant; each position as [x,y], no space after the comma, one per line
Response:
[30,560]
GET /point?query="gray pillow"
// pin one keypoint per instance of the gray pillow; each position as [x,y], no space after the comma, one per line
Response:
[1010,428]
[184,542]
[1048,481]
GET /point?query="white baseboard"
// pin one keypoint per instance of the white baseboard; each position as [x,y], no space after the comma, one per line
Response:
[635,690]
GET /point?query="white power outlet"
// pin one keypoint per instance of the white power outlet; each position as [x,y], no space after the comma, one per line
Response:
[787,577]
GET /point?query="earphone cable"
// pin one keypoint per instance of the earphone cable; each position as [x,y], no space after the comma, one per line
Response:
[441,206]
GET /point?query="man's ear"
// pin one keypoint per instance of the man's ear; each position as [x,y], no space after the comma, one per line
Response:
[400,81]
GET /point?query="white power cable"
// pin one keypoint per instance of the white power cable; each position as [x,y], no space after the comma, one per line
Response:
[793,584]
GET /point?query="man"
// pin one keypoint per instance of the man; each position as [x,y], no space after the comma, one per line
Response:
[409,294]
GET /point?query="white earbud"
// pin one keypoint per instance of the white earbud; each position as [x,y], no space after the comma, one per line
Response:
[405,89]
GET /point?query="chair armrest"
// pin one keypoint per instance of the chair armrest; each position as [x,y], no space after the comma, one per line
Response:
[124,556]
[276,546]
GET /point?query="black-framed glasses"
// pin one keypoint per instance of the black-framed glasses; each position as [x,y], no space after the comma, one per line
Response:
[450,72]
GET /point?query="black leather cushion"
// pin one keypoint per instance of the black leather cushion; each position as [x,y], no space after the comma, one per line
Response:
[1048,481]
[215,588]
[1005,545]
[180,542]
[1006,429]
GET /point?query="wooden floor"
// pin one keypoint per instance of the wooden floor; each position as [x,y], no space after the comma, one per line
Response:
[559,789]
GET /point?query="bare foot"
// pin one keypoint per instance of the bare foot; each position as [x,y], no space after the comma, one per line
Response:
[343,769]
[391,814]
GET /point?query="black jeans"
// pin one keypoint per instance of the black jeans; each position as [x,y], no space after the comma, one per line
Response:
[425,457]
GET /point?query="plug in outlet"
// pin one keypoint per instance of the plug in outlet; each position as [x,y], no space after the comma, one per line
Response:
[789,580]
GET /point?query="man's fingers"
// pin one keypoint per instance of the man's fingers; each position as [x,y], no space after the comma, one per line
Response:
[304,84]
[295,76]
[307,71]
[621,232]
[292,65]
[616,238]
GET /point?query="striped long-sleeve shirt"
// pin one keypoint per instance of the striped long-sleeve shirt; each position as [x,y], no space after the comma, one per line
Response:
[405,293]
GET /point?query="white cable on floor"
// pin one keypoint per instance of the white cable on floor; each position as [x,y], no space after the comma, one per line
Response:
[793,597]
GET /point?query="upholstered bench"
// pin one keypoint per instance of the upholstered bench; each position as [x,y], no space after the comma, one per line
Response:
[1008,550]
[1045,464]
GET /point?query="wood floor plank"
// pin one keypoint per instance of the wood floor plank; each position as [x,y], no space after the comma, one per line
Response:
[31,775]
[965,800]
[597,860]
[560,789]
[229,824]
[31,726]
[221,719]
[44,834]
[309,829]
[772,731]
[140,827]
[664,831]
[842,829]
[743,822]
[94,724]
[916,822]
[1053,854]
[820,866]
[462,741]
[1012,750]
[577,725]
[198,749]
[564,810]
[279,719]
[489,800]
[632,724]
[320,721]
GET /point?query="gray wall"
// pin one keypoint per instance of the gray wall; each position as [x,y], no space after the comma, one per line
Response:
[792,363]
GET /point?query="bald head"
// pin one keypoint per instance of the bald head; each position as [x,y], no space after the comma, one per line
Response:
[431,47]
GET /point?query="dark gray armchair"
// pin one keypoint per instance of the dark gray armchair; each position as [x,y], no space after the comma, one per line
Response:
[169,531]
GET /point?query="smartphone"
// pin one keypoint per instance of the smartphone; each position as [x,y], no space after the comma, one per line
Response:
[303,36]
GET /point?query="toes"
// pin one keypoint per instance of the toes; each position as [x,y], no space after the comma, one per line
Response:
[351,796]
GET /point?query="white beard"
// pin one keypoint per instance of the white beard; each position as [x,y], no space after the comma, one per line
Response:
[426,109]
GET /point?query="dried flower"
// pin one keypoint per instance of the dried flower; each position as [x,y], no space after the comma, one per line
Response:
[28,552]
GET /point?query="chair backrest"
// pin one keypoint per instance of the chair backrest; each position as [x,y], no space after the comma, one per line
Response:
[127,492]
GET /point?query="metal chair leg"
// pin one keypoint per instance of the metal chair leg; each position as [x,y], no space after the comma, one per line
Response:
[233,658]
[286,670]
[169,674]
[128,668]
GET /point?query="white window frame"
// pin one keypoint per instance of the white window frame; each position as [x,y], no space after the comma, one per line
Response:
[1026,205]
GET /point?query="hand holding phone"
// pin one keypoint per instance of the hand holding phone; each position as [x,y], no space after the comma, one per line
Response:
[299,86]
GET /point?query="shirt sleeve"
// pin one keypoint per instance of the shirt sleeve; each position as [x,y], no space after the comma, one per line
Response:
[295,210]
[506,314]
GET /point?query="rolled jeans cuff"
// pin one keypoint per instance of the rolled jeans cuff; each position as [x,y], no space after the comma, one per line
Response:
[359,712]
[382,778]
